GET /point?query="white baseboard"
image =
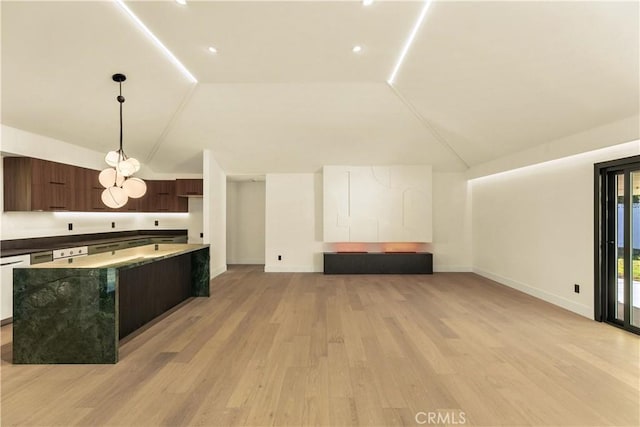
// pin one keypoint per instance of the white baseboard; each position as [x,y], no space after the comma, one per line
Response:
[218,271]
[270,268]
[246,262]
[580,309]
[452,269]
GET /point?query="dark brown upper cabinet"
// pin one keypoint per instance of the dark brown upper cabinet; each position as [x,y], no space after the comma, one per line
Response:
[87,191]
[40,185]
[189,187]
[161,197]
[37,185]
[91,191]
[133,205]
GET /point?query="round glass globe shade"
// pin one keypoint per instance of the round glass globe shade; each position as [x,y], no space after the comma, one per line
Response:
[112,158]
[135,163]
[134,187]
[114,197]
[126,168]
[109,177]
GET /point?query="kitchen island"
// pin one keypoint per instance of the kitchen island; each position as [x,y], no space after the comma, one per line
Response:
[76,310]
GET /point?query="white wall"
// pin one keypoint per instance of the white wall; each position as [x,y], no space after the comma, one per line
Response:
[19,142]
[533,227]
[19,225]
[214,207]
[451,245]
[293,222]
[245,222]
[232,221]
[377,203]
[22,225]
[294,217]
[195,224]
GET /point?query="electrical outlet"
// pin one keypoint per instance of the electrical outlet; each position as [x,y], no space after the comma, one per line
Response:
[201,235]
[155,222]
[279,257]
[113,225]
[70,226]
[576,288]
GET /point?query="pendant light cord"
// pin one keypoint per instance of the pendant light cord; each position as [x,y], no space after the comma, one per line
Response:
[120,99]
[116,194]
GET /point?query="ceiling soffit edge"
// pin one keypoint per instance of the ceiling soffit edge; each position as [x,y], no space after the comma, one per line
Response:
[176,114]
[610,137]
[426,124]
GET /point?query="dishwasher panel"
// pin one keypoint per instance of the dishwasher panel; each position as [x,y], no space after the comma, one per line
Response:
[6,292]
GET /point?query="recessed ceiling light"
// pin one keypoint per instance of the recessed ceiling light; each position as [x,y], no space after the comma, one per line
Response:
[212,49]
[182,2]
[367,2]
[356,49]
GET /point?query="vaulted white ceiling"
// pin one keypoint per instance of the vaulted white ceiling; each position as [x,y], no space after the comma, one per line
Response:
[285,93]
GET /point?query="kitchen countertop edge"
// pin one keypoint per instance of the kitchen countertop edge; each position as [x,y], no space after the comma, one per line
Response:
[5,253]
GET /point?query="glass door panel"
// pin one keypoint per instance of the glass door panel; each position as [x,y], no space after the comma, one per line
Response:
[617,290]
[619,247]
[635,248]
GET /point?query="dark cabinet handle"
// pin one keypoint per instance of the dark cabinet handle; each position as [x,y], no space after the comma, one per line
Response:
[57,182]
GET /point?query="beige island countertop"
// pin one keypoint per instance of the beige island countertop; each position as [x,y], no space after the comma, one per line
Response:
[129,257]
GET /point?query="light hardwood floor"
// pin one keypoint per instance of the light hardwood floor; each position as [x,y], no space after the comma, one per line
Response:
[308,349]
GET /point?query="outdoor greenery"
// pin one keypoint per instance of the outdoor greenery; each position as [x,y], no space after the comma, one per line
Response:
[635,199]
[636,267]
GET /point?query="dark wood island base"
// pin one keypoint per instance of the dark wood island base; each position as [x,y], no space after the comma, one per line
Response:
[75,311]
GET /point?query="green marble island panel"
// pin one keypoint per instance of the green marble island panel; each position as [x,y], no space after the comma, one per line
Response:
[67,311]
[65,316]
[200,273]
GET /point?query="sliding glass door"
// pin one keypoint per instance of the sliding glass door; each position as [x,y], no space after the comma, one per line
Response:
[617,293]
[634,279]
[616,261]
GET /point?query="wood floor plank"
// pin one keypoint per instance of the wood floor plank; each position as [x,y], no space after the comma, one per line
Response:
[276,349]
[365,394]
[316,392]
[342,412]
[385,382]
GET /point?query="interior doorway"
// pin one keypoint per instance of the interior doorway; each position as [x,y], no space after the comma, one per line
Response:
[246,220]
[617,246]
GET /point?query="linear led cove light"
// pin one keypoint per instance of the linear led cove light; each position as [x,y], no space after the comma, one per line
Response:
[409,41]
[157,41]
[72,214]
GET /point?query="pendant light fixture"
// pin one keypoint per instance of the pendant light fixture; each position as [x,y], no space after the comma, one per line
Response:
[117,180]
